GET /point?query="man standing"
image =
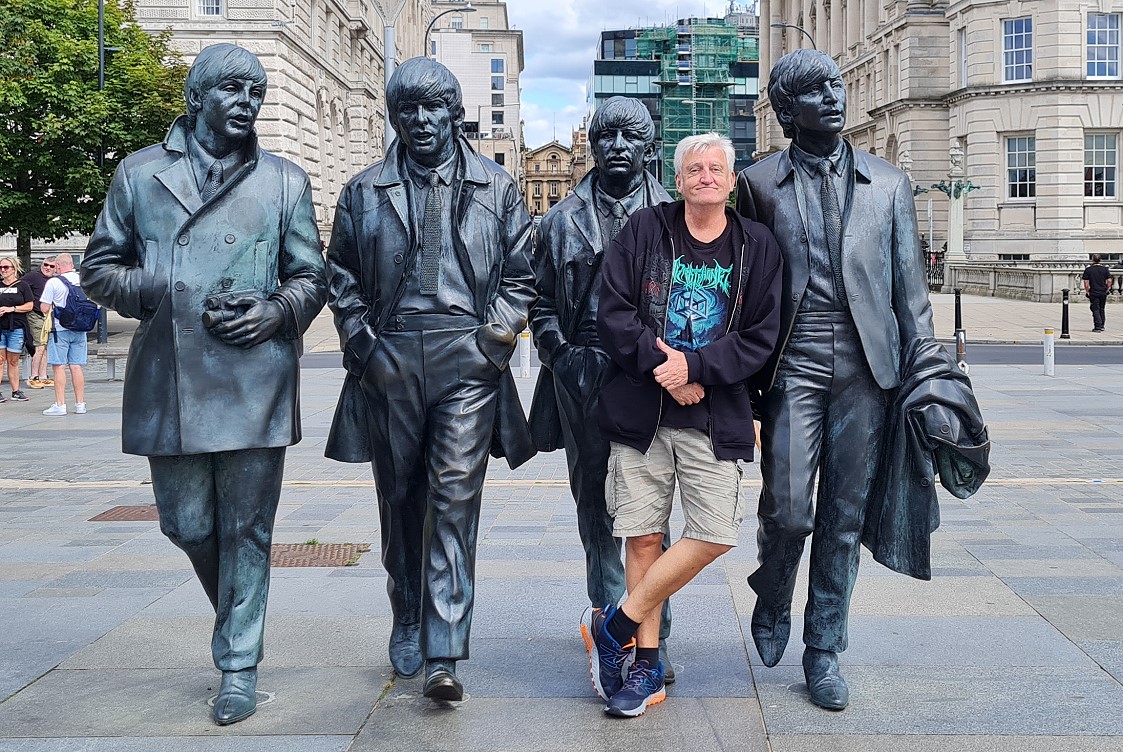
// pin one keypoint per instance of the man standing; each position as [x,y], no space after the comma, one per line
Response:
[1097,284]
[37,280]
[66,350]
[688,312]
[571,243]
[430,285]
[212,243]
[854,311]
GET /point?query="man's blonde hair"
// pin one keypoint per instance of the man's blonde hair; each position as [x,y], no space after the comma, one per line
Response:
[704,142]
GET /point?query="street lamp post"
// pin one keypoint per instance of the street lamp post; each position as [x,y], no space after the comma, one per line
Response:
[466,9]
[800,29]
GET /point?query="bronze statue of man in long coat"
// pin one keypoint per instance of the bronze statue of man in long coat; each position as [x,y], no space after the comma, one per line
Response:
[211,242]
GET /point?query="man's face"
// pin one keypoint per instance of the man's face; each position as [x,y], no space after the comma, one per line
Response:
[705,178]
[820,107]
[425,127]
[230,108]
[47,268]
[620,152]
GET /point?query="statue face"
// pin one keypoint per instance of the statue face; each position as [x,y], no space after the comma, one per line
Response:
[426,130]
[620,152]
[230,108]
[820,108]
[705,178]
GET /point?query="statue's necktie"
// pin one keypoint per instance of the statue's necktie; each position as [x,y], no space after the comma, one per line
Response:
[619,219]
[213,182]
[832,227]
[431,239]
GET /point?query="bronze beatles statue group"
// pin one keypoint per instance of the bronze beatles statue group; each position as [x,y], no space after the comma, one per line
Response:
[211,242]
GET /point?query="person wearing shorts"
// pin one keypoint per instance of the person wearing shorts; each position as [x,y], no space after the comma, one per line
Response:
[37,279]
[66,350]
[689,311]
[15,302]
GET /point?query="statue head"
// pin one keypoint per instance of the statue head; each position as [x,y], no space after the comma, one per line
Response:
[224,91]
[807,94]
[704,169]
[426,109]
[622,136]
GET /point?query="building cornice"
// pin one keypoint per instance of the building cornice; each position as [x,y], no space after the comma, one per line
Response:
[912,103]
[1034,87]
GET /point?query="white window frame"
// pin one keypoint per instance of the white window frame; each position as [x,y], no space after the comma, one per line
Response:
[1021,156]
[1017,49]
[484,22]
[1102,45]
[456,22]
[1101,152]
[209,8]
[485,47]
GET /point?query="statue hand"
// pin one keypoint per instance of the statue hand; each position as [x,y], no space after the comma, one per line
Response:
[261,321]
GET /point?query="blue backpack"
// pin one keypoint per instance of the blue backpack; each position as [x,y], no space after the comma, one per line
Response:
[80,313]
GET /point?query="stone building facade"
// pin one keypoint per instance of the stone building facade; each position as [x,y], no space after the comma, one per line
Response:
[1030,90]
[486,55]
[547,176]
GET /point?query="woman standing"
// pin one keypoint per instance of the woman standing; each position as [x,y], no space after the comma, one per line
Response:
[15,301]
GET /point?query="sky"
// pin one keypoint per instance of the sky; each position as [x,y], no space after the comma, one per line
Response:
[560,39]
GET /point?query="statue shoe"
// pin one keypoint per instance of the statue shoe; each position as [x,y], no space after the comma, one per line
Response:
[771,628]
[237,696]
[824,681]
[441,682]
[405,649]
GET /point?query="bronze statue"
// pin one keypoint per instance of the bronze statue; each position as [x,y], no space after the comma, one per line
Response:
[571,243]
[212,243]
[430,285]
[856,362]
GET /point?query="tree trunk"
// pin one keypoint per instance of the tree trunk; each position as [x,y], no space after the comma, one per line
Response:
[23,249]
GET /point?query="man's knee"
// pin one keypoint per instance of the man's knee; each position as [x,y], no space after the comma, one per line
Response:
[711,550]
[652,543]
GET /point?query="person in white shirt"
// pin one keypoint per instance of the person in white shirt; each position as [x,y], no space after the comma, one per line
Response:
[65,349]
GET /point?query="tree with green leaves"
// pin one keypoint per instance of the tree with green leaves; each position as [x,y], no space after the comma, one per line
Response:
[60,136]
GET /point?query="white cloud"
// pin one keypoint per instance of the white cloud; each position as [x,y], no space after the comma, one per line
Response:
[560,39]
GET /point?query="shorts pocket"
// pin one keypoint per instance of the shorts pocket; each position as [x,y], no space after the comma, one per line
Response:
[739,503]
[610,484]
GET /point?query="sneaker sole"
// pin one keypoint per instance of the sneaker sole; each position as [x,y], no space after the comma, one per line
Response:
[594,670]
[654,699]
[586,635]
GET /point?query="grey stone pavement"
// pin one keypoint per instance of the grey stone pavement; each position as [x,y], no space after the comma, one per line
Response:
[1016,643]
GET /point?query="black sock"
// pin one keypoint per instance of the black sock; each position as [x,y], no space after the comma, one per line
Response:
[651,655]
[621,628]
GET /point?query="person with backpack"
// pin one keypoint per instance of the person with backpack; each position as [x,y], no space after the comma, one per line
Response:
[66,345]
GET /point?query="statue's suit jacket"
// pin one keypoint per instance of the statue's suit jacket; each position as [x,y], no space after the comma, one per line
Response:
[882,263]
[373,243]
[158,251]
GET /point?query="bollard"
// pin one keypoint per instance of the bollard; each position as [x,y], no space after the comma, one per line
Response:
[103,326]
[524,354]
[960,336]
[1064,314]
[1049,362]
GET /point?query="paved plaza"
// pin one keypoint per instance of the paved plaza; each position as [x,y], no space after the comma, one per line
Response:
[1015,645]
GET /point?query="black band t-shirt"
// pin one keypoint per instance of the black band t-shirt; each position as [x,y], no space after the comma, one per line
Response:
[15,294]
[698,308]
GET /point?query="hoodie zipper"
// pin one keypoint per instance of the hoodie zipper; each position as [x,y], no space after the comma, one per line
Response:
[729,328]
[662,391]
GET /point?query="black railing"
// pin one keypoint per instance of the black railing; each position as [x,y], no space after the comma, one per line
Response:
[933,265]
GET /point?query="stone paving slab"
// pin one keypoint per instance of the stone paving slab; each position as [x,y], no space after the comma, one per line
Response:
[544,725]
[304,743]
[942,743]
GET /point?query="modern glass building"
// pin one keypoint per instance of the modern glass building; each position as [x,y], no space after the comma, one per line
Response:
[698,75]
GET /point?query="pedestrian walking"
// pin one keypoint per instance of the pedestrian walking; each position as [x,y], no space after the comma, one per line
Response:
[1097,284]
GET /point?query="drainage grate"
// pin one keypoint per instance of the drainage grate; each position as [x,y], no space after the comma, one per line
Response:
[135,513]
[318,554]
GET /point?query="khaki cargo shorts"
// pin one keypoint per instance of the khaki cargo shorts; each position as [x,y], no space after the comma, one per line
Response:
[640,488]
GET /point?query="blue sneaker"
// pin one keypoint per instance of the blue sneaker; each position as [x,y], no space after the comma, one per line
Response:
[606,656]
[644,686]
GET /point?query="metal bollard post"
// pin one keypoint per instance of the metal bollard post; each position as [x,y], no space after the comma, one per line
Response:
[960,336]
[102,326]
[524,354]
[1049,361]
[1064,314]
